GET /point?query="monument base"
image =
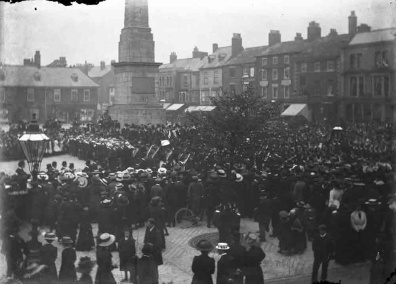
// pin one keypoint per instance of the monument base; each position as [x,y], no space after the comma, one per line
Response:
[137,114]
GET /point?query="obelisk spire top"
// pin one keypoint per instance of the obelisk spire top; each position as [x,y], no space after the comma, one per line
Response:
[136,13]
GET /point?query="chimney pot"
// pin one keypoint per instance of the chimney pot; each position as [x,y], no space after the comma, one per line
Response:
[298,37]
[314,31]
[102,65]
[236,44]
[352,23]
[172,57]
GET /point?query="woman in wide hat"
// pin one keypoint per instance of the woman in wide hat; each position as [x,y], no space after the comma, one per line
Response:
[203,266]
[253,258]
[84,267]
[103,257]
[85,240]
[67,273]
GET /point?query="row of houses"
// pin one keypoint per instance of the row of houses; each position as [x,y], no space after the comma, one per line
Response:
[338,76]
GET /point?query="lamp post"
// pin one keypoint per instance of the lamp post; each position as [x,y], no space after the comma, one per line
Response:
[34,143]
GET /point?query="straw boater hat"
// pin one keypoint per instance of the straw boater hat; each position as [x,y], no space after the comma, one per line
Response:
[50,237]
[162,171]
[82,181]
[126,176]
[112,176]
[42,176]
[149,171]
[221,173]
[85,264]
[119,186]
[222,246]
[204,245]
[66,240]
[106,240]
[239,178]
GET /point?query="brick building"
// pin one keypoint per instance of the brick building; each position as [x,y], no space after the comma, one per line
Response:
[103,75]
[239,71]
[275,76]
[368,82]
[318,77]
[211,73]
[61,93]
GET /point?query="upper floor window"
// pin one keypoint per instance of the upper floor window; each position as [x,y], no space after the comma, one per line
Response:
[2,95]
[264,75]
[286,73]
[87,95]
[264,92]
[2,75]
[167,82]
[57,95]
[206,79]
[355,60]
[330,65]
[74,95]
[264,61]
[170,80]
[274,91]
[275,74]
[232,88]
[232,72]
[356,84]
[286,90]
[275,60]
[185,80]
[245,70]
[317,67]
[381,86]
[216,77]
[30,95]
[303,67]
[303,81]
[381,59]
[286,59]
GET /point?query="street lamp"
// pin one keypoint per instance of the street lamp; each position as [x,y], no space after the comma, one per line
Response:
[34,143]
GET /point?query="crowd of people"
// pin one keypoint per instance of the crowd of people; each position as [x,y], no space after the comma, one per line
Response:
[332,186]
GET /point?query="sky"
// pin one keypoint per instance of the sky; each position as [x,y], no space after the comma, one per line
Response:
[91,33]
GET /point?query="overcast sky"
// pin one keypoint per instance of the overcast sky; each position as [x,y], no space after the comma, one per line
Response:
[91,33]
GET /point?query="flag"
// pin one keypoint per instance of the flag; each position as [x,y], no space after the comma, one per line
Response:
[165,142]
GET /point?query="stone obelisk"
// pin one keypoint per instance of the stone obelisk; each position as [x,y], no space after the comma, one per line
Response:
[136,72]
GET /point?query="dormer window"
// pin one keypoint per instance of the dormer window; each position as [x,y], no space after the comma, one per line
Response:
[37,76]
[74,77]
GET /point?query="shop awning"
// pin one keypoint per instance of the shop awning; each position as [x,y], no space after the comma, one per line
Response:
[296,109]
[200,108]
[175,107]
[166,105]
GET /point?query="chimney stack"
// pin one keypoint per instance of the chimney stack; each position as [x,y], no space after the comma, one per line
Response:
[274,37]
[37,59]
[314,31]
[298,37]
[102,65]
[172,57]
[333,33]
[236,43]
[198,54]
[215,47]
[363,28]
[352,23]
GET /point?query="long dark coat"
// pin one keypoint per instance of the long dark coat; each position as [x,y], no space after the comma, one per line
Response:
[105,266]
[147,270]
[203,267]
[67,273]
[106,220]
[157,213]
[153,236]
[127,253]
[85,279]
[48,255]
[253,272]
[85,239]
[224,270]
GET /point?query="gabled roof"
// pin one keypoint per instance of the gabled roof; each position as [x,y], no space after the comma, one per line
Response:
[247,56]
[216,62]
[97,72]
[286,47]
[31,76]
[186,64]
[329,46]
[382,35]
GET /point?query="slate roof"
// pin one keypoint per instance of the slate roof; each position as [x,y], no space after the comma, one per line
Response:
[286,47]
[26,76]
[96,72]
[329,46]
[186,64]
[247,56]
[215,63]
[382,35]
